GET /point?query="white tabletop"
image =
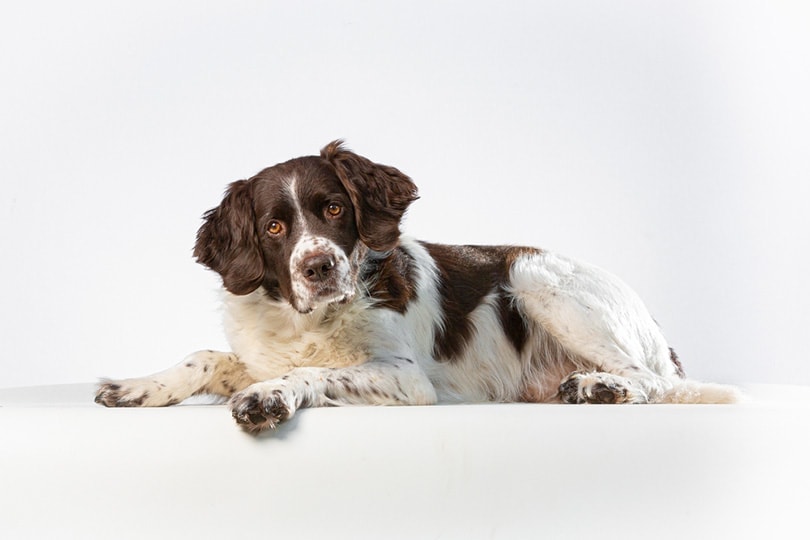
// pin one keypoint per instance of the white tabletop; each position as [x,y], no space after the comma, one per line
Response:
[73,469]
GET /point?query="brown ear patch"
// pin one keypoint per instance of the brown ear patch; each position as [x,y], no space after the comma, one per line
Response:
[380,195]
[227,242]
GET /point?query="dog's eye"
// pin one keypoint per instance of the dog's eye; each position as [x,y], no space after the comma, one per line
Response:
[275,228]
[334,209]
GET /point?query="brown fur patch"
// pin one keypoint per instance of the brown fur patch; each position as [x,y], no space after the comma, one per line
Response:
[380,195]
[391,280]
[466,275]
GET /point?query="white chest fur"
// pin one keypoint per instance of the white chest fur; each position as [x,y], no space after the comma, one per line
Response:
[271,338]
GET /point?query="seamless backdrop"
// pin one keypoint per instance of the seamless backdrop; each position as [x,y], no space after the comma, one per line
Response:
[665,141]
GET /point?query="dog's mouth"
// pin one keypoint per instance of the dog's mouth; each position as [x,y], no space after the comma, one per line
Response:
[326,296]
[321,278]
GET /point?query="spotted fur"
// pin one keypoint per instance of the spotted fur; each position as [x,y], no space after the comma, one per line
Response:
[326,303]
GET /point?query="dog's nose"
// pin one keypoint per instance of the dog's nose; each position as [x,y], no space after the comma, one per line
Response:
[317,267]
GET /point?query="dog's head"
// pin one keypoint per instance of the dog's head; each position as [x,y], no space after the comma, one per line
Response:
[301,228]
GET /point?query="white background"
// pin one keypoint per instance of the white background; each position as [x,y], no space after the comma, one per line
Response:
[668,142]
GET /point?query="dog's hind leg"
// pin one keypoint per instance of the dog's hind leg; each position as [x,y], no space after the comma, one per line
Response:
[202,372]
[619,351]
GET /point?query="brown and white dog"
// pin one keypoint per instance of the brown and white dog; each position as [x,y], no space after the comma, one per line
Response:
[326,304]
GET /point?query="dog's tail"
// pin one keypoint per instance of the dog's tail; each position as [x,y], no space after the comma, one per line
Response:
[687,391]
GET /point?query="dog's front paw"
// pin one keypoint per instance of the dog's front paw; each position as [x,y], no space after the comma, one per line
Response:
[258,409]
[134,393]
[120,394]
[597,387]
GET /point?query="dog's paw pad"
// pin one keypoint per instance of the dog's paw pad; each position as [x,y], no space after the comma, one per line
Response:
[606,393]
[256,412]
[595,387]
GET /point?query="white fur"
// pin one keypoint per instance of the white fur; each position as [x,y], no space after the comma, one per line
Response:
[331,327]
[586,330]
[292,184]
[595,317]
[582,308]
[305,293]
[585,327]
[273,338]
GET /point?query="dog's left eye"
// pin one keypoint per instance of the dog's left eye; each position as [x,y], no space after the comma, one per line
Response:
[334,209]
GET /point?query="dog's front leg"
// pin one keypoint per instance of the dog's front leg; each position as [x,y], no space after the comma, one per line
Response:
[394,381]
[202,372]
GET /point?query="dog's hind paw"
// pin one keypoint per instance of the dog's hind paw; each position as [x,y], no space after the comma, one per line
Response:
[598,387]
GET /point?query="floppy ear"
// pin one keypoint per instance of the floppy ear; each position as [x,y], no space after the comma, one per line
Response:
[228,244]
[380,195]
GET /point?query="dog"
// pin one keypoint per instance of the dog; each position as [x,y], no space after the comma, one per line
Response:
[327,303]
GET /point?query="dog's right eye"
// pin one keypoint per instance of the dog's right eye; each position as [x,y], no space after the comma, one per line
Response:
[275,228]
[334,209]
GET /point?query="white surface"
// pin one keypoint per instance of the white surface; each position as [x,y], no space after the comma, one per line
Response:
[72,469]
[664,141]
